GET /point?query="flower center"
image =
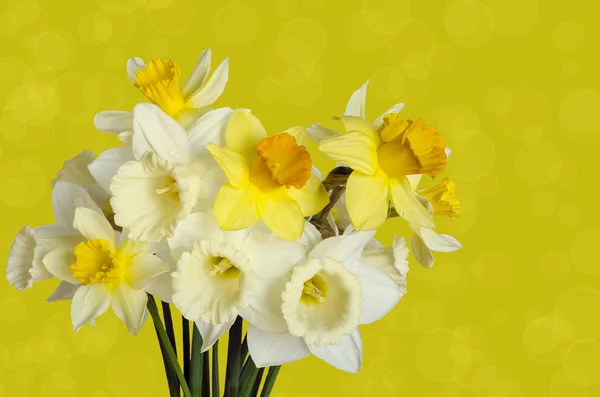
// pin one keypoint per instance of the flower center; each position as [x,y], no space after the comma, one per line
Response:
[286,162]
[410,147]
[223,267]
[314,291]
[169,188]
[159,81]
[96,262]
[443,198]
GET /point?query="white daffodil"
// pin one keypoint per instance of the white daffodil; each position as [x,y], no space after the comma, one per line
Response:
[326,298]
[218,272]
[170,173]
[71,187]
[99,269]
[159,81]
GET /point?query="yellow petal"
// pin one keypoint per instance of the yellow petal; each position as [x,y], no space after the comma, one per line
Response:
[367,199]
[358,124]
[300,134]
[244,131]
[233,163]
[312,197]
[235,209]
[407,204]
[282,215]
[355,149]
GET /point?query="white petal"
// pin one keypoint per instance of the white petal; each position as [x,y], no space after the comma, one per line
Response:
[114,121]
[264,310]
[340,248]
[20,260]
[89,302]
[211,332]
[59,261]
[154,131]
[144,267]
[414,181]
[76,170]
[133,65]
[380,293]
[390,260]
[270,349]
[271,256]
[64,291]
[210,128]
[213,89]
[66,197]
[317,132]
[310,236]
[161,287]
[439,242]
[422,254]
[347,355]
[93,225]
[106,166]
[196,227]
[129,304]
[393,109]
[356,104]
[199,75]
[126,136]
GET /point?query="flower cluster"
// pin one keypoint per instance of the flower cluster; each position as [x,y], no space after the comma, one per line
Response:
[204,209]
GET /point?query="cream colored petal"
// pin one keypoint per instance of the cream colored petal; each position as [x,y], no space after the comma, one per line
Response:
[129,305]
[199,75]
[106,166]
[264,310]
[196,227]
[356,150]
[233,163]
[299,134]
[20,260]
[422,254]
[154,131]
[407,204]
[359,124]
[346,355]
[211,332]
[439,242]
[390,260]
[66,197]
[311,198]
[393,109]
[271,256]
[367,200]
[59,261]
[133,65]
[161,287]
[235,209]
[380,293]
[244,131]
[114,121]
[271,349]
[144,267]
[342,248]
[89,302]
[212,89]
[76,170]
[210,128]
[318,133]
[93,225]
[323,323]
[282,215]
[356,104]
[64,291]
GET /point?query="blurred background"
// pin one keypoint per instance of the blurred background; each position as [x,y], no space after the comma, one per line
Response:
[511,84]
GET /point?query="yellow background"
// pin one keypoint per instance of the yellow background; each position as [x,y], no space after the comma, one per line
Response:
[511,84]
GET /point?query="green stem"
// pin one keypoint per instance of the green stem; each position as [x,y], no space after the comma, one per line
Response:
[171,375]
[162,336]
[244,350]
[169,325]
[216,392]
[185,324]
[196,366]
[232,378]
[270,381]
[206,375]
[259,376]
[247,378]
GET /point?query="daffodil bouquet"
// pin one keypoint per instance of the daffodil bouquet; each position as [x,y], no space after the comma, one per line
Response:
[202,209]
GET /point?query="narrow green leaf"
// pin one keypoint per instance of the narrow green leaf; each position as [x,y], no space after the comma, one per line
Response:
[257,381]
[172,381]
[169,325]
[216,392]
[197,362]
[206,375]
[244,351]
[232,377]
[270,381]
[164,338]
[247,378]
[185,325]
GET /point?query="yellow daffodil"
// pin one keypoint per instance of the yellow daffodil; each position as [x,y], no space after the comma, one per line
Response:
[382,159]
[269,178]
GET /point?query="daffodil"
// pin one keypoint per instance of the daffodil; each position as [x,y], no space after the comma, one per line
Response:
[159,81]
[382,158]
[104,270]
[269,178]
[218,272]
[324,300]
[170,173]
[441,201]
